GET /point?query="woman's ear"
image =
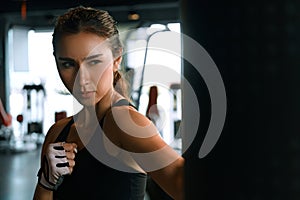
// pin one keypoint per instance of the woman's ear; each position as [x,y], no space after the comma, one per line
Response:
[117,62]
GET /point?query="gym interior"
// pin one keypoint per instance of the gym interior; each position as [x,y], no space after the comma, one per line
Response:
[226,85]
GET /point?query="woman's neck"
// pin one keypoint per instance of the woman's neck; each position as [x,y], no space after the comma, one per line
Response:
[99,110]
[88,119]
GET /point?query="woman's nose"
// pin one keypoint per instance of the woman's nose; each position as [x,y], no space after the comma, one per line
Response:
[83,75]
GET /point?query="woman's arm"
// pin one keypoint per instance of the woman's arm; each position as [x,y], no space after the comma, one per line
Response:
[135,133]
[41,193]
[171,178]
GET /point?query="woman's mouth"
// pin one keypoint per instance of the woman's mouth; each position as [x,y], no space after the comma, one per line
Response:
[87,95]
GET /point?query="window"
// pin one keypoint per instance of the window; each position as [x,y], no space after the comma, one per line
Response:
[154,55]
[40,70]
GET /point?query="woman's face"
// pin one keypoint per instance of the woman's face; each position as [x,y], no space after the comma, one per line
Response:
[85,64]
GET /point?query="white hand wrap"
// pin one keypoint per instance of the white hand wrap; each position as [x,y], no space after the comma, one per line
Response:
[55,166]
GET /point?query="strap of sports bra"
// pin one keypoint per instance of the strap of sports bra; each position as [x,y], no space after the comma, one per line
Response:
[65,132]
[123,102]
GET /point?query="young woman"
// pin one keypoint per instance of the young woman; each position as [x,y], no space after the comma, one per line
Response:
[107,149]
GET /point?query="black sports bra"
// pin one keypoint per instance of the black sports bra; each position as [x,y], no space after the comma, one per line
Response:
[92,179]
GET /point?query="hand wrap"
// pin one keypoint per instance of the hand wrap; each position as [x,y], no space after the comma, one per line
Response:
[55,165]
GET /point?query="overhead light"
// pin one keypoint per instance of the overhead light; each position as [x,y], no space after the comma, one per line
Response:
[23,9]
[133,16]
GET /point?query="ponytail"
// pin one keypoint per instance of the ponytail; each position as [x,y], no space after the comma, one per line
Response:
[120,84]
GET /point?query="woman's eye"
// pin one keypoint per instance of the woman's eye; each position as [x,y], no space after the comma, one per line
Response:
[67,64]
[94,62]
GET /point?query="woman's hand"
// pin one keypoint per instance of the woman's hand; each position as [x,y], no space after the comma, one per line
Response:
[57,162]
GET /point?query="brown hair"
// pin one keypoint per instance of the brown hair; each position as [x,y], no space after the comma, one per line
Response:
[99,22]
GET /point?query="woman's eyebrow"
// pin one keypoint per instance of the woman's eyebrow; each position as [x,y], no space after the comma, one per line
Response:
[65,59]
[86,58]
[92,56]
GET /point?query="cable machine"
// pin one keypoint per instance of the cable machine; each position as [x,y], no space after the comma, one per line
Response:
[34,96]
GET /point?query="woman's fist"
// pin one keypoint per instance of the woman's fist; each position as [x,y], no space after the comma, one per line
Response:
[57,162]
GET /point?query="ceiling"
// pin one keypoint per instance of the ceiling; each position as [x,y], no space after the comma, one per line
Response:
[40,12]
[34,5]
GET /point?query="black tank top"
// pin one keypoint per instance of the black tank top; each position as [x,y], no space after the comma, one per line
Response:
[91,179]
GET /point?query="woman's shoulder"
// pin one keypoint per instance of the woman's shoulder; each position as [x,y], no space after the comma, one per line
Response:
[54,132]
[131,130]
[127,114]
[126,119]
[56,129]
